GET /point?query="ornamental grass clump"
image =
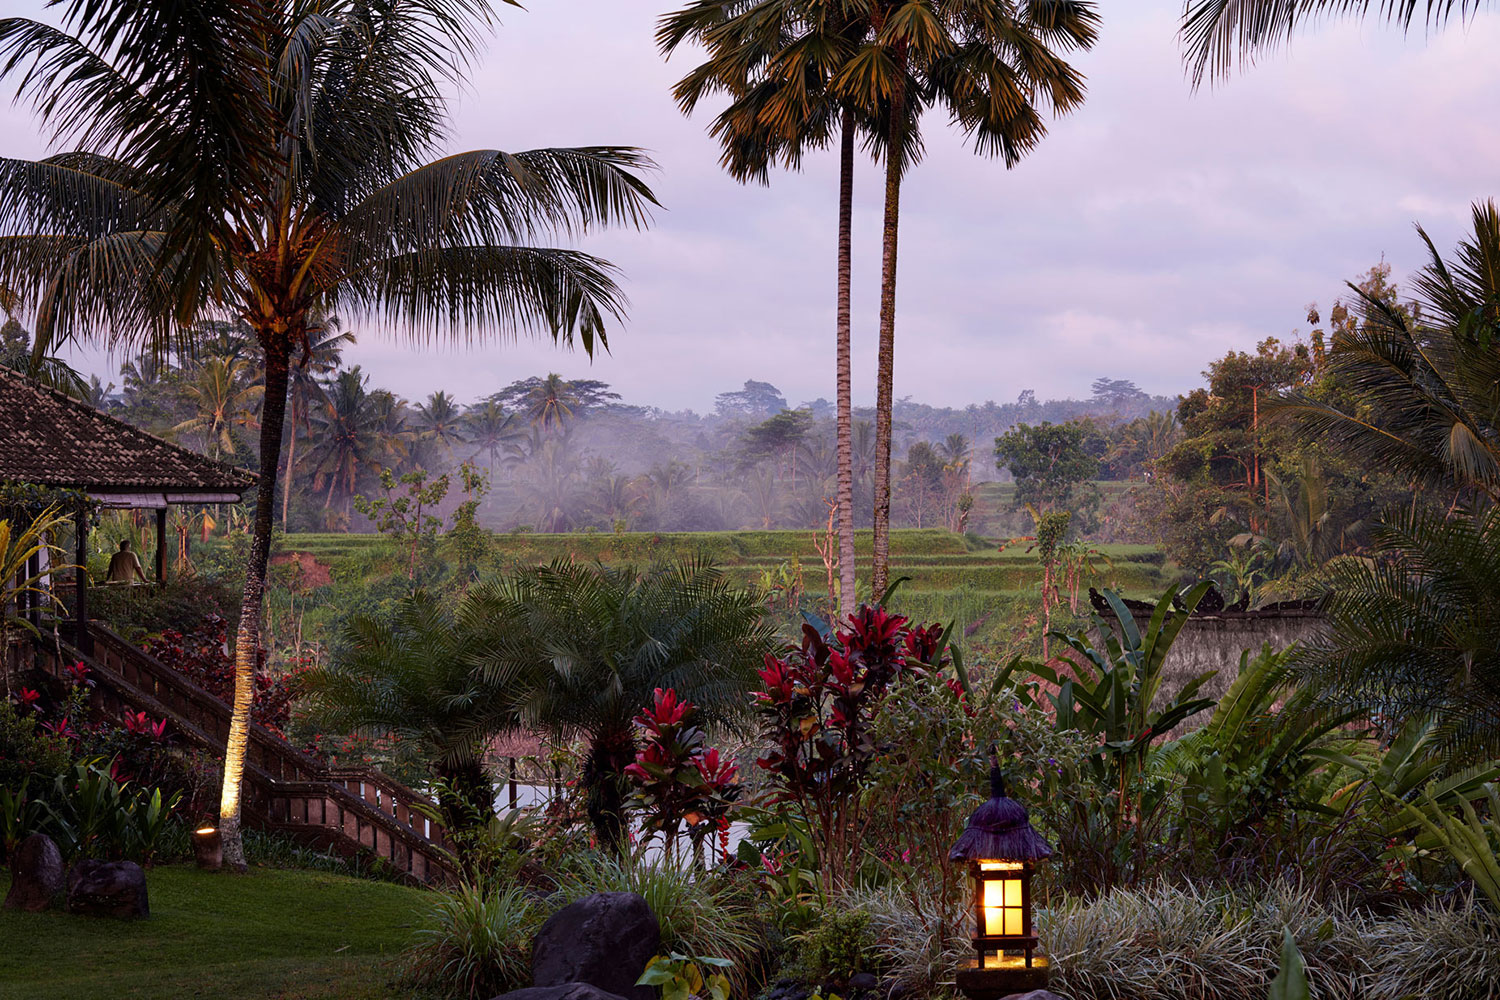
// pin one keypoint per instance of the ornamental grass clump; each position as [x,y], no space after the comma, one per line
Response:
[476,943]
[702,913]
[1189,943]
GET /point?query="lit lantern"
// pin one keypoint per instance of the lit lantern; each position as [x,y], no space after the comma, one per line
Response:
[1002,850]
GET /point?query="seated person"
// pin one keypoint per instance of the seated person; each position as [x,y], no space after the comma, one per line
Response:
[125,566]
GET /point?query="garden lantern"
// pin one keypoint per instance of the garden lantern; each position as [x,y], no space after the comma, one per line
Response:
[1001,849]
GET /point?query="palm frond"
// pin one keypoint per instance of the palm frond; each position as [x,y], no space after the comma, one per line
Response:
[1215,33]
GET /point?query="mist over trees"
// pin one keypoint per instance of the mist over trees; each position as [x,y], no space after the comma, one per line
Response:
[563,454]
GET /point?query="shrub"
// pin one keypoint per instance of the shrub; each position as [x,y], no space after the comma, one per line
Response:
[24,750]
[91,814]
[203,655]
[476,943]
[818,705]
[836,948]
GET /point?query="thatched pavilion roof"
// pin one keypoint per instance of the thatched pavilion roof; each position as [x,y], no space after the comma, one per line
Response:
[52,440]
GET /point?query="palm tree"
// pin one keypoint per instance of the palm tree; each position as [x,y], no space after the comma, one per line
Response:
[345,438]
[1214,32]
[440,421]
[994,66]
[223,399]
[1416,631]
[552,401]
[1425,387]
[490,429]
[319,359]
[775,58]
[546,402]
[266,162]
[955,450]
[410,673]
[388,424]
[551,485]
[595,642]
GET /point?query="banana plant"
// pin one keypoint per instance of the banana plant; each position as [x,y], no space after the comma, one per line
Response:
[1118,677]
[1265,742]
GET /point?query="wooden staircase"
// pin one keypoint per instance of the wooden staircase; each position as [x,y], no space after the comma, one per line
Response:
[351,811]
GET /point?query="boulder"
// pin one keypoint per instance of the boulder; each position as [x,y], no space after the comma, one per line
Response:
[604,940]
[36,874]
[567,991]
[108,889]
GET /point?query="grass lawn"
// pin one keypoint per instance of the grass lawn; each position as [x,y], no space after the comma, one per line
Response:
[288,934]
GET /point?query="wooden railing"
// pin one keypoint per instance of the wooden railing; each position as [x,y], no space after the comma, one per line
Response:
[349,811]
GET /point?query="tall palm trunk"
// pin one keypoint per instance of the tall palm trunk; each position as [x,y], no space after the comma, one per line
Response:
[845,385]
[247,638]
[885,364]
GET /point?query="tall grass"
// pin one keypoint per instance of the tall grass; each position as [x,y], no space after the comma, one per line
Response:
[702,913]
[476,943]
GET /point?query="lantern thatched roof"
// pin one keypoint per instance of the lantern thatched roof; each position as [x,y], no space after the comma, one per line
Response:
[1000,830]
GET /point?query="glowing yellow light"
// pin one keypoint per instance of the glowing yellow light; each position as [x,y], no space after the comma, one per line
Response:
[205,830]
[1003,912]
[998,960]
[1000,866]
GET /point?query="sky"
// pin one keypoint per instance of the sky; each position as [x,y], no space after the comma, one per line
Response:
[1152,231]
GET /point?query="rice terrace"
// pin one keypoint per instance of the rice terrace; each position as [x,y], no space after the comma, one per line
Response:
[478,521]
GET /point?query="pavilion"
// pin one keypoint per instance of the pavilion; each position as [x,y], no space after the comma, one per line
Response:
[52,440]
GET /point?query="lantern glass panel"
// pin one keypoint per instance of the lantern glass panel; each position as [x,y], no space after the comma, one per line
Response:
[1002,899]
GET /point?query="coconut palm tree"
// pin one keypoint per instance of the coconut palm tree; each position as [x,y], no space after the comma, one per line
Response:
[551,486]
[594,642]
[775,59]
[490,429]
[388,422]
[345,438]
[319,359]
[223,398]
[1424,387]
[440,422]
[995,67]
[268,162]
[1215,32]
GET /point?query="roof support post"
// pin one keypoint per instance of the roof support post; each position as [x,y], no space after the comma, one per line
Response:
[81,635]
[161,545]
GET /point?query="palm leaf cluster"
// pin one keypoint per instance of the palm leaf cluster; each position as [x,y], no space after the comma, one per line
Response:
[1417,633]
[1425,383]
[1216,32]
[568,649]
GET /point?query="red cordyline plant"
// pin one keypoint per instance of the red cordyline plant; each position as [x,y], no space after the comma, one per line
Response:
[678,778]
[817,704]
[203,656]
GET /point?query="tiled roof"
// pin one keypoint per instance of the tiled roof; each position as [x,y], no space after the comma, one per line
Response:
[50,439]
